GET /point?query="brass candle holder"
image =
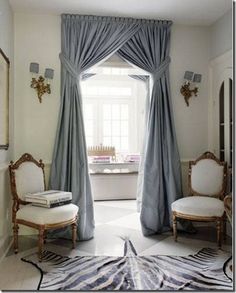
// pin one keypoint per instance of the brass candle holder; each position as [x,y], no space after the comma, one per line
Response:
[187,92]
[190,79]
[40,86]
[40,83]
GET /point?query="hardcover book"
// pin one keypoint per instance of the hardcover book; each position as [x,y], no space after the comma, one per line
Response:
[51,205]
[48,197]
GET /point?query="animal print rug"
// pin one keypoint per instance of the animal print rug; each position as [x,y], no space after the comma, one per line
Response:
[206,270]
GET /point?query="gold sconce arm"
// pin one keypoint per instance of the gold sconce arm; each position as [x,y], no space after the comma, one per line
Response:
[187,92]
[40,87]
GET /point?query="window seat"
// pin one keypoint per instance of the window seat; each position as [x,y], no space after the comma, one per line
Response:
[113,168]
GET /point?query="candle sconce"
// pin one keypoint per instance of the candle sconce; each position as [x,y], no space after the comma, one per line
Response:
[185,89]
[39,83]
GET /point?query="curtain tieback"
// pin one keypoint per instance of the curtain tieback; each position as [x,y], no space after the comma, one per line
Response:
[161,69]
[69,66]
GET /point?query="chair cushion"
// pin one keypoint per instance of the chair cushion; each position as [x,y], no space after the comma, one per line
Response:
[42,216]
[201,206]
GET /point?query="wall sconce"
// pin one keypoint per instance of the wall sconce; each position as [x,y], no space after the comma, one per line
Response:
[40,83]
[185,90]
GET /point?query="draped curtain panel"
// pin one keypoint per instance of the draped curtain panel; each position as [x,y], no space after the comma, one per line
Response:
[161,180]
[146,80]
[86,41]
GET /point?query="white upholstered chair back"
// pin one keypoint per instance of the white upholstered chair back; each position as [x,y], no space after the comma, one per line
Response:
[207,177]
[29,178]
[26,176]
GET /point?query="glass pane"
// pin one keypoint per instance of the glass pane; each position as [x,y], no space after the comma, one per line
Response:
[125,91]
[92,90]
[115,70]
[115,112]
[124,143]
[88,111]
[106,111]
[106,70]
[116,142]
[124,111]
[221,116]
[221,103]
[107,141]
[113,91]
[89,141]
[124,128]
[83,90]
[115,128]
[89,127]
[107,128]
[124,71]
[103,90]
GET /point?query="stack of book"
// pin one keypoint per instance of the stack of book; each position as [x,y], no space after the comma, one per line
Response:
[49,198]
[101,159]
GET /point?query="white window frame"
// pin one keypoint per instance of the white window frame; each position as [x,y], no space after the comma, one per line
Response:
[132,100]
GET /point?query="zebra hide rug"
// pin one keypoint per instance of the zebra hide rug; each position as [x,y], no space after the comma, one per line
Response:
[206,270]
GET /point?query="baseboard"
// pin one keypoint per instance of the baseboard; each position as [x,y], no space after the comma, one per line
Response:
[5,246]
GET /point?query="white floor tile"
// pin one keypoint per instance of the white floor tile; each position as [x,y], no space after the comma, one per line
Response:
[131,221]
[126,204]
[184,246]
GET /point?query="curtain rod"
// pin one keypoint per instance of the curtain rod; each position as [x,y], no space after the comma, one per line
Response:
[115,18]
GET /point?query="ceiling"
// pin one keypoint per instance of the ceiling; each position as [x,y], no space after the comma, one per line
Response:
[190,12]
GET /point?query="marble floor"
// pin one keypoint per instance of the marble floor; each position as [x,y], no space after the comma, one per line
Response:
[114,221]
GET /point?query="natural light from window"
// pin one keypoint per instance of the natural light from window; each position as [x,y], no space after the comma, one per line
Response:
[114,110]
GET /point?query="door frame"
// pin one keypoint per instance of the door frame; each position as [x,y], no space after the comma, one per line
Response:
[220,70]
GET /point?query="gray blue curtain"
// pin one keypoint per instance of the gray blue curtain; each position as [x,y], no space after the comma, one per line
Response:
[139,193]
[85,41]
[149,50]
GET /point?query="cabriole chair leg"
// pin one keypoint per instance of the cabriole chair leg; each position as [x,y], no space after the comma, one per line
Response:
[74,234]
[15,236]
[40,243]
[175,227]
[224,226]
[219,231]
[44,236]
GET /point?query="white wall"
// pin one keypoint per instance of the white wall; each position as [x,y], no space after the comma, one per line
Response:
[6,44]
[190,51]
[37,39]
[221,35]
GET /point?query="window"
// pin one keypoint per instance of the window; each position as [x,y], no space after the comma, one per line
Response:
[113,111]
[89,122]
[115,125]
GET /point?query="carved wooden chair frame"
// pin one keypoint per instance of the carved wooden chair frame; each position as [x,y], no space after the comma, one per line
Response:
[220,221]
[17,201]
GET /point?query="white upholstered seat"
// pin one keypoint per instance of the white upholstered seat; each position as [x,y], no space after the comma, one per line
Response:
[200,206]
[42,216]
